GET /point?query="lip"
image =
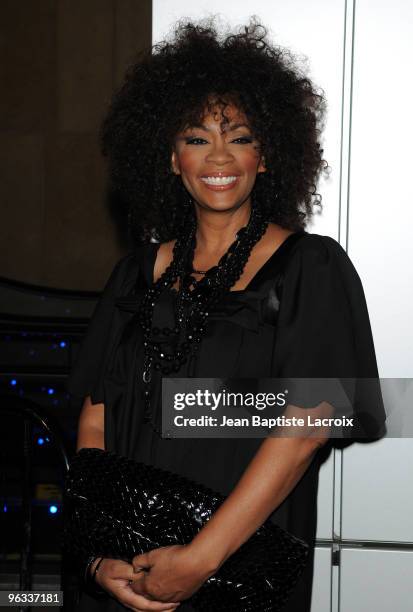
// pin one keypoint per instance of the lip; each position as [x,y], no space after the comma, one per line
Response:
[220,175]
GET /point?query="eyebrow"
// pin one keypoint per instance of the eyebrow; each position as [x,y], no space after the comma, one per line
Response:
[231,127]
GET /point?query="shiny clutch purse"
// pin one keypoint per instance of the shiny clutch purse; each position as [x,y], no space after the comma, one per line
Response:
[116,507]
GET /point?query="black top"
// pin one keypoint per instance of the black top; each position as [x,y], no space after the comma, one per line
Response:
[322,330]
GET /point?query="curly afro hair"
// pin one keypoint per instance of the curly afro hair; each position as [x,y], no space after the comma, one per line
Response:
[170,88]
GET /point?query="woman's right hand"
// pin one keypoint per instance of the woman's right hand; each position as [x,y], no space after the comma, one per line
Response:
[114,575]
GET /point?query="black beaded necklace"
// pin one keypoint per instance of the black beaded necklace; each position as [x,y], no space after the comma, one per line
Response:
[194,299]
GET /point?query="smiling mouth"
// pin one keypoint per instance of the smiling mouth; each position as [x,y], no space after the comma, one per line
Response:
[219,180]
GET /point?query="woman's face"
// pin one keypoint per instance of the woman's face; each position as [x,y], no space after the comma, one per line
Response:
[218,163]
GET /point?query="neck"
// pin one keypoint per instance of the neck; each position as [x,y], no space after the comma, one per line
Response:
[216,230]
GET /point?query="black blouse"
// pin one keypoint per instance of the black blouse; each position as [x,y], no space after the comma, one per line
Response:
[321,329]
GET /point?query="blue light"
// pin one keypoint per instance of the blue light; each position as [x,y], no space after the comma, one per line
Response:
[62,344]
[52,509]
[47,440]
[40,441]
[50,391]
[4,508]
[13,382]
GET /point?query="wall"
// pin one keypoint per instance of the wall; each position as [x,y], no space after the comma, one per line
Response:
[60,61]
[360,53]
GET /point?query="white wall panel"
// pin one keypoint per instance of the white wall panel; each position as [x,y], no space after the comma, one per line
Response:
[377,498]
[321,596]
[376,580]
[381,189]
[377,478]
[325,499]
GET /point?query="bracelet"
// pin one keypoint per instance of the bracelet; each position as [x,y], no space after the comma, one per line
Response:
[90,584]
[95,571]
[89,562]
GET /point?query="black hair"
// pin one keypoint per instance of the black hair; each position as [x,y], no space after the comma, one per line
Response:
[169,88]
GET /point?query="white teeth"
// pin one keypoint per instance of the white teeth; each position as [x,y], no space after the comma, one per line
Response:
[218,180]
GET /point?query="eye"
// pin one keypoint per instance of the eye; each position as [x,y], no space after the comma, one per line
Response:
[195,140]
[243,140]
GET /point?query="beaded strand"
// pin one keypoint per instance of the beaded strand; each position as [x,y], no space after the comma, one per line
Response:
[194,299]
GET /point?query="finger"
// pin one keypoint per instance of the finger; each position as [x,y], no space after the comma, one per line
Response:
[154,605]
[122,569]
[141,603]
[146,610]
[142,609]
[141,561]
[136,600]
[137,584]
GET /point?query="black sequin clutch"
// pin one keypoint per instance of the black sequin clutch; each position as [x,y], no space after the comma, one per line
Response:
[119,508]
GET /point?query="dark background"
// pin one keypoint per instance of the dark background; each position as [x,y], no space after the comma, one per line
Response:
[60,62]
[60,236]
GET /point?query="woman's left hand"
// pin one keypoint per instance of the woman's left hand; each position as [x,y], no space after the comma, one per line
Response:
[175,573]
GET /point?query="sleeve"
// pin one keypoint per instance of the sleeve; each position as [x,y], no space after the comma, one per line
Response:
[87,374]
[324,332]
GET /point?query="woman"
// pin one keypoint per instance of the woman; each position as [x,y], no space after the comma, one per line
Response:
[207,136]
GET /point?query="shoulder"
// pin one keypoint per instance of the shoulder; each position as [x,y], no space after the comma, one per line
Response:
[319,248]
[323,245]
[127,262]
[315,254]
[124,273]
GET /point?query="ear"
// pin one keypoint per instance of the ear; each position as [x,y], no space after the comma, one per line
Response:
[174,163]
[261,167]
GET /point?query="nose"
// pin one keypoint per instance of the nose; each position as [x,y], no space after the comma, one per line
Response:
[219,153]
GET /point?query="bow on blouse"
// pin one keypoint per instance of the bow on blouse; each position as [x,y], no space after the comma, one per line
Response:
[247,308]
